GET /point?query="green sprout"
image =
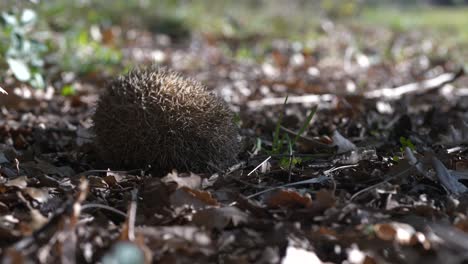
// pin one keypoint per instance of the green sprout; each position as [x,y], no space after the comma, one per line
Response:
[406,142]
[281,139]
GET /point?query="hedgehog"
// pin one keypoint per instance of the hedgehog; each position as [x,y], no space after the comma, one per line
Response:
[154,117]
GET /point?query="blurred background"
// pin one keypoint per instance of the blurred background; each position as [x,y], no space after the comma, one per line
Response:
[49,43]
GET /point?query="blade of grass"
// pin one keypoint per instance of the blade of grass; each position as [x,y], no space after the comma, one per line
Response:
[279,147]
[276,135]
[306,124]
[290,149]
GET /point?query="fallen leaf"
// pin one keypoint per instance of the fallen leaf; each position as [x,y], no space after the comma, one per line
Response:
[188,197]
[219,218]
[40,195]
[20,182]
[191,180]
[287,198]
[402,233]
[296,255]
[343,144]
[446,178]
[175,238]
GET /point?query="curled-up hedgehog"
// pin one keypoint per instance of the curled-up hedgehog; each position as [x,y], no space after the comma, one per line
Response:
[155,117]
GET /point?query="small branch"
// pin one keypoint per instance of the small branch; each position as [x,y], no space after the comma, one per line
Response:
[387,179]
[322,100]
[309,181]
[314,142]
[102,206]
[259,165]
[416,87]
[89,172]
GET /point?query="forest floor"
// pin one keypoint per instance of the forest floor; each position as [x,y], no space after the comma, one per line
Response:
[375,173]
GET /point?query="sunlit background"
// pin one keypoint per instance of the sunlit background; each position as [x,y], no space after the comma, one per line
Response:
[88,36]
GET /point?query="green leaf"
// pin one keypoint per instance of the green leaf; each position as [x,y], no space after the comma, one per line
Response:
[20,69]
[284,163]
[306,124]
[290,145]
[406,142]
[276,136]
[278,146]
[237,119]
[83,38]
[68,90]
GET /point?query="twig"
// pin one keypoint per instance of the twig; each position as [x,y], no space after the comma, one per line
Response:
[313,141]
[291,158]
[132,215]
[323,100]
[327,172]
[317,155]
[382,182]
[105,207]
[214,177]
[259,165]
[416,87]
[86,173]
[309,181]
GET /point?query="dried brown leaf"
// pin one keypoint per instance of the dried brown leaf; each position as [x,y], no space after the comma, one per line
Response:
[198,199]
[287,198]
[402,233]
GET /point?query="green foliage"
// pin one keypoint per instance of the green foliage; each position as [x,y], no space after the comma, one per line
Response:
[83,54]
[277,142]
[78,48]
[285,162]
[305,125]
[68,90]
[174,27]
[289,161]
[237,119]
[341,9]
[22,54]
[244,53]
[281,139]
[448,23]
[406,142]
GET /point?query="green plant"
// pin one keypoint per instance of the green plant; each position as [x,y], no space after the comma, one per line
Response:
[406,142]
[339,9]
[82,54]
[280,139]
[21,52]
[277,141]
[68,90]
